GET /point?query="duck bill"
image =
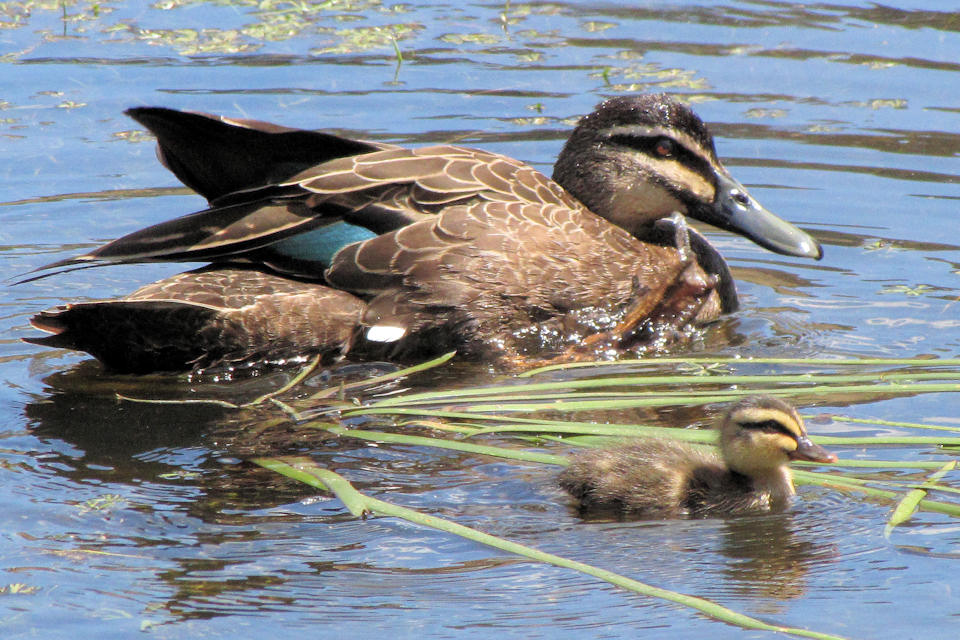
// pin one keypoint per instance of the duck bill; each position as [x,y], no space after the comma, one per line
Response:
[735,210]
[806,450]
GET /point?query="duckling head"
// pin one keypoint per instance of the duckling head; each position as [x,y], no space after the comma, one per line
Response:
[637,159]
[759,435]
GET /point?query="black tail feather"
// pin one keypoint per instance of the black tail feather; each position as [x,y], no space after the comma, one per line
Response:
[216,157]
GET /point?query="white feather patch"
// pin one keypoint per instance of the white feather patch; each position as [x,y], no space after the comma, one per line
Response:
[385,333]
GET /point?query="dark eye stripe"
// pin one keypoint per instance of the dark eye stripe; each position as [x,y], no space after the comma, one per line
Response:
[769,426]
[645,144]
[648,146]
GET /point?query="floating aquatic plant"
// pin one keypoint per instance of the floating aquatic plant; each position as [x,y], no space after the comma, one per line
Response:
[574,404]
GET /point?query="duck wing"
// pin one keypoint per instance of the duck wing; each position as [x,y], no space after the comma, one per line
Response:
[293,208]
[479,275]
[217,156]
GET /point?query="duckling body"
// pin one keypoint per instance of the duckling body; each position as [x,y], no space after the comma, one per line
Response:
[438,248]
[659,478]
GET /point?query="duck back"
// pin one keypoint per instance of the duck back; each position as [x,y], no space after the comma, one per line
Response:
[644,477]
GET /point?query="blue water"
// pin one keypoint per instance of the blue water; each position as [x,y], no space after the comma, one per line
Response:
[122,517]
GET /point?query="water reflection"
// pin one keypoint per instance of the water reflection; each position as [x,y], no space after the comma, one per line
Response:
[80,407]
[770,555]
[219,537]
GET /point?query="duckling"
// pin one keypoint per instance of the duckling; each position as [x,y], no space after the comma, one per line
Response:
[660,478]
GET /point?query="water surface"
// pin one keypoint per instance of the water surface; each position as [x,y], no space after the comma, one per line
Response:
[841,117]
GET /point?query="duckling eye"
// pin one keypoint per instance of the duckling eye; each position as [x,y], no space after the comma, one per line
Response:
[665,147]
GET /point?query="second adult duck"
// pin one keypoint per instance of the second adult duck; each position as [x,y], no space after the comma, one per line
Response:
[322,244]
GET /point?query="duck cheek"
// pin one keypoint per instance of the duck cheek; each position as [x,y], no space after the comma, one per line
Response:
[625,204]
[763,455]
[776,452]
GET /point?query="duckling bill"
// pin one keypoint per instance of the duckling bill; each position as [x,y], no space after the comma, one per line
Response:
[405,253]
[660,478]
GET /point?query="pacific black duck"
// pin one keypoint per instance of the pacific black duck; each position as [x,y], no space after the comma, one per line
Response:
[323,244]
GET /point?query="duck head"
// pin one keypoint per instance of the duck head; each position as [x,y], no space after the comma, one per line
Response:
[759,435]
[637,159]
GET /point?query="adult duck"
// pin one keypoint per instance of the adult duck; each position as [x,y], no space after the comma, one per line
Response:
[323,244]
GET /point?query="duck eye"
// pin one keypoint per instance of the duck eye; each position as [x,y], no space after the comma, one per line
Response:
[665,147]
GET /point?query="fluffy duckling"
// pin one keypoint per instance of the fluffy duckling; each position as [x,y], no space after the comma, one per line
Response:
[651,477]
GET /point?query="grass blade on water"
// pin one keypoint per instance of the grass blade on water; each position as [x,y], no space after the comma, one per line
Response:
[908,505]
[304,470]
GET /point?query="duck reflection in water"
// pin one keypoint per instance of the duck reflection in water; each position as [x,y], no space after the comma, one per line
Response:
[769,555]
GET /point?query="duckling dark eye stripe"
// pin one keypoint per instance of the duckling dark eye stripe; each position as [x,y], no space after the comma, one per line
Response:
[769,426]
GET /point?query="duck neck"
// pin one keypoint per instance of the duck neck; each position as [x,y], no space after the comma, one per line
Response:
[776,482]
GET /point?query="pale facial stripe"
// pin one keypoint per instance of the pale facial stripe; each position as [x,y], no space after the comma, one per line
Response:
[679,174]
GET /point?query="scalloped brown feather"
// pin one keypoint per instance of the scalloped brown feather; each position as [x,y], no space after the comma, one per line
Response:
[476,251]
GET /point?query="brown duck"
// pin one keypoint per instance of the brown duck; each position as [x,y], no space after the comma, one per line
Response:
[660,478]
[320,244]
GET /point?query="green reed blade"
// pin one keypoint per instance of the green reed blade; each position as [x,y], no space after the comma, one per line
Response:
[894,484]
[521,424]
[906,507]
[660,400]
[461,415]
[855,484]
[878,440]
[885,423]
[877,464]
[692,435]
[300,377]
[865,362]
[303,470]
[567,386]
[440,443]
[368,382]
[439,425]
[689,398]
[623,431]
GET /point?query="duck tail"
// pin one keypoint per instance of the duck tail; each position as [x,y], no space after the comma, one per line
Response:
[216,156]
